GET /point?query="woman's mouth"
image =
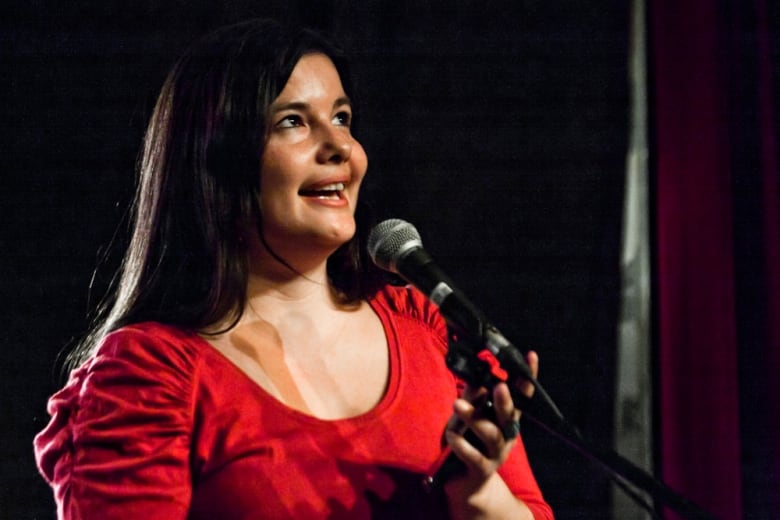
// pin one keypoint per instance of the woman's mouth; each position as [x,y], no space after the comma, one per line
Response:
[332,191]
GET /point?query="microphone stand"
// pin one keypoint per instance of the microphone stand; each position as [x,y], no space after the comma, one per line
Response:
[618,468]
[469,363]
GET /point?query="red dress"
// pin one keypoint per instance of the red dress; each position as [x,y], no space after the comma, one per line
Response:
[159,425]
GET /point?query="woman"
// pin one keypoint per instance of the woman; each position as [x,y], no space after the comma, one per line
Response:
[252,364]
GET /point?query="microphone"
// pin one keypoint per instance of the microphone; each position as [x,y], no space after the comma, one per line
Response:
[395,245]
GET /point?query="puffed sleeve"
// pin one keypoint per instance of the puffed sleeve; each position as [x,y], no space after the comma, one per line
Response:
[117,446]
[409,302]
[517,473]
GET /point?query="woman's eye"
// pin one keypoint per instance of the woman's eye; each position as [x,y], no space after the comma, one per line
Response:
[343,119]
[290,121]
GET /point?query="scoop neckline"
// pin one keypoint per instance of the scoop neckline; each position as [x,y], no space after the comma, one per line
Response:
[391,390]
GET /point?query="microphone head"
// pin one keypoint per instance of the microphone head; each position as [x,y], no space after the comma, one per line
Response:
[391,240]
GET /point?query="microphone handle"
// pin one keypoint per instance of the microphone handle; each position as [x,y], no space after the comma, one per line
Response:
[448,465]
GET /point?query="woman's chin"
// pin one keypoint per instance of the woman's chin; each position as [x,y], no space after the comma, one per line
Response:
[315,241]
[335,233]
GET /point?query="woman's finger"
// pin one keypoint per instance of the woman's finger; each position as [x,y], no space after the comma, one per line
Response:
[526,387]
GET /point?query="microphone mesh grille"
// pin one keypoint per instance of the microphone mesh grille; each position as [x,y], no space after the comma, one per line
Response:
[389,239]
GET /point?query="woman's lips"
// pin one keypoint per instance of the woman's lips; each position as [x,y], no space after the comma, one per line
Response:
[330,191]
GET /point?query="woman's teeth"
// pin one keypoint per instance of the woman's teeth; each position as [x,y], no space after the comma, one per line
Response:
[329,191]
[336,186]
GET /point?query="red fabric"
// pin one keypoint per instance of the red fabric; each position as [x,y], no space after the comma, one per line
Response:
[698,394]
[160,425]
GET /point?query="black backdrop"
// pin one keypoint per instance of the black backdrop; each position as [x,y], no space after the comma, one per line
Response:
[497,128]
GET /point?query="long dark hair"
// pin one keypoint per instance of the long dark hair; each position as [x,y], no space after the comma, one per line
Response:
[197,195]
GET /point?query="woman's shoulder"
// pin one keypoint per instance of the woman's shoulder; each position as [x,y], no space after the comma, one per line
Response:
[146,351]
[128,408]
[150,331]
[408,302]
[155,334]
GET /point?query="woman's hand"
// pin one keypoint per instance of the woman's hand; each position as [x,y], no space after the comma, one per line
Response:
[481,491]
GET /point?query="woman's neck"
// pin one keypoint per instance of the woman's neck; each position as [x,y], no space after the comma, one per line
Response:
[293,289]
[289,281]
[275,289]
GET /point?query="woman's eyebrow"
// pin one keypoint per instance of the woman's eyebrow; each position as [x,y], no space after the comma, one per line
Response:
[292,105]
[302,105]
[344,100]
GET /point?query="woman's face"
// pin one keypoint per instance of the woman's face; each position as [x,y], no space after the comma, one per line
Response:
[311,167]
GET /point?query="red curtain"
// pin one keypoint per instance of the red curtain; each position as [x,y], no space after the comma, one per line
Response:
[717,232]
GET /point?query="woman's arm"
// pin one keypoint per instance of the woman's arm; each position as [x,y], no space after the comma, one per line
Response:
[117,446]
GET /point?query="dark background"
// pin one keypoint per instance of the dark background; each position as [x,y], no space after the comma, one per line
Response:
[497,128]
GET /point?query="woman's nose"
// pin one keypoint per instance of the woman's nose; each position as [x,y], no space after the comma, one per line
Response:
[336,145]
